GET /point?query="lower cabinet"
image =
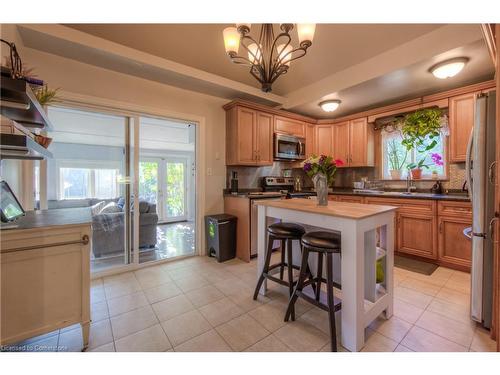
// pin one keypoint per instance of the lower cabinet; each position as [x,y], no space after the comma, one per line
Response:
[454,248]
[416,235]
[350,198]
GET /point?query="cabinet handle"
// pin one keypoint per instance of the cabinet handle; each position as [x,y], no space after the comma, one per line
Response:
[84,241]
[441,227]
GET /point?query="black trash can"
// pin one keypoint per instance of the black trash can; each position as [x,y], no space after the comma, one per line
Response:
[221,236]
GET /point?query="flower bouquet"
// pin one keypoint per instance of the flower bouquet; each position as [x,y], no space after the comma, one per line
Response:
[322,171]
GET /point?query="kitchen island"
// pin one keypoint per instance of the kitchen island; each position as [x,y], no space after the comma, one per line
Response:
[367,234]
[45,274]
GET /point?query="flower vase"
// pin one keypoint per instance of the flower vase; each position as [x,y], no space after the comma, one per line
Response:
[321,187]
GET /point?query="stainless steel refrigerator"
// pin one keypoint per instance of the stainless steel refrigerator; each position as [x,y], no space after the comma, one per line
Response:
[480,164]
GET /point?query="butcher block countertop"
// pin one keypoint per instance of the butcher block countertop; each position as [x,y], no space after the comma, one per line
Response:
[336,209]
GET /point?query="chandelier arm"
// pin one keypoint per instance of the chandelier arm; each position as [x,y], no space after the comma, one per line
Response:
[249,51]
[240,60]
[274,65]
[258,78]
[302,54]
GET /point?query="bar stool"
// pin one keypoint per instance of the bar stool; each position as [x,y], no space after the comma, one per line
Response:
[324,244]
[286,233]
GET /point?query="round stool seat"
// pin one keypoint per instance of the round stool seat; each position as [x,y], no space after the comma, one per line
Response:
[286,230]
[323,240]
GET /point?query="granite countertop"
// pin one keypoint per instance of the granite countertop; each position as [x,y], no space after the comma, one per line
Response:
[51,218]
[452,196]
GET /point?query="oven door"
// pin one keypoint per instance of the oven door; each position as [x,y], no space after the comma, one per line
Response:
[288,147]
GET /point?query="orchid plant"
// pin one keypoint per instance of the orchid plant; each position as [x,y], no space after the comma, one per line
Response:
[437,159]
[322,164]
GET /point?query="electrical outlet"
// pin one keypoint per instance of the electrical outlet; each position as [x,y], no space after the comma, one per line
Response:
[209,171]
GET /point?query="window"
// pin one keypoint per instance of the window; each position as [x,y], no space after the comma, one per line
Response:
[394,154]
[81,183]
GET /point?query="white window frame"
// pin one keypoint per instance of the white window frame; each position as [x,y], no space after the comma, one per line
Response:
[385,175]
[85,164]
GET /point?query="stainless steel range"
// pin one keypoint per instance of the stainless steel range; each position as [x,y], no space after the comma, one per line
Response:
[285,185]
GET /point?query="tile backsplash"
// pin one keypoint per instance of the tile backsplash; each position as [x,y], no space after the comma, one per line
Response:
[250,177]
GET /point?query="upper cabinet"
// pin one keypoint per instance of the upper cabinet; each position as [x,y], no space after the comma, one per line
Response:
[461,121]
[289,126]
[350,141]
[310,139]
[248,137]
[324,139]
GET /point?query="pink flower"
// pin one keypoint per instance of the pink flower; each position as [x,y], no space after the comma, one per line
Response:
[437,159]
[338,162]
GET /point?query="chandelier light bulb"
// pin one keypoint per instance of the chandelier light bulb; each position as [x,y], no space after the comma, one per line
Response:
[231,39]
[284,53]
[330,105]
[254,54]
[448,68]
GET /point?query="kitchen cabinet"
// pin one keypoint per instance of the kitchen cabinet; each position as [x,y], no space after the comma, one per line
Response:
[310,139]
[289,126]
[324,139]
[461,121]
[248,137]
[361,143]
[45,278]
[351,141]
[416,234]
[454,249]
[341,142]
[349,198]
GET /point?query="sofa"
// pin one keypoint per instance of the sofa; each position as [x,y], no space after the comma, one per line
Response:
[108,229]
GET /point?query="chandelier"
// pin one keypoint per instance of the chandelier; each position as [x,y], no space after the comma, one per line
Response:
[271,56]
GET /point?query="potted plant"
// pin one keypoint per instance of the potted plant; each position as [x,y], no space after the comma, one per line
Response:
[396,159]
[420,127]
[416,168]
[322,171]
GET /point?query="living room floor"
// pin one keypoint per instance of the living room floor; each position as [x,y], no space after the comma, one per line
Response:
[197,304]
[173,240]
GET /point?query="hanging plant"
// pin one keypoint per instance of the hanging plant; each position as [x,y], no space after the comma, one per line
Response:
[420,129]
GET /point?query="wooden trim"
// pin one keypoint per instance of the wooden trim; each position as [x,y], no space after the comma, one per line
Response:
[488,30]
[496,277]
[271,110]
[460,91]
[441,103]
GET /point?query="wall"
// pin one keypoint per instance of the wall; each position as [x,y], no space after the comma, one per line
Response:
[75,77]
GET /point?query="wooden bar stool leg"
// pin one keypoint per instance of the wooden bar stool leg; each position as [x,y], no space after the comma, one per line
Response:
[289,254]
[331,301]
[265,270]
[300,284]
[282,267]
[319,275]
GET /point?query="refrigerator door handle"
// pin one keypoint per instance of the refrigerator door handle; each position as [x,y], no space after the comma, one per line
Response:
[491,173]
[491,227]
[468,163]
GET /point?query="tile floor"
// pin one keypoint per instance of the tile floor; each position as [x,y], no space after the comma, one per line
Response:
[173,240]
[197,304]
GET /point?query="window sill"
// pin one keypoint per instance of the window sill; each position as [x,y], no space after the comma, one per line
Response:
[420,179]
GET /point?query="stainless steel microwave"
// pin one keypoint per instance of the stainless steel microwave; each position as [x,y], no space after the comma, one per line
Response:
[289,147]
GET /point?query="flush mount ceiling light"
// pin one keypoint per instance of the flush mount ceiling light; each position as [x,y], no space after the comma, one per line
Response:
[270,56]
[448,68]
[330,105]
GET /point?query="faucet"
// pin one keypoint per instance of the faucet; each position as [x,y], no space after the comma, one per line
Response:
[410,186]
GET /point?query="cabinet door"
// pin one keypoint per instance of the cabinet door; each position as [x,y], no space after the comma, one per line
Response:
[246,136]
[264,138]
[350,199]
[454,248]
[461,121]
[310,139]
[360,144]
[341,142]
[417,235]
[289,126]
[324,139]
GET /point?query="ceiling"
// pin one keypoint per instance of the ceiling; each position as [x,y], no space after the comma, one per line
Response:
[363,65]
[335,47]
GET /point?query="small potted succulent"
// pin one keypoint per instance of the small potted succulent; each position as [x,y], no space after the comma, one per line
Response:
[322,171]
[397,159]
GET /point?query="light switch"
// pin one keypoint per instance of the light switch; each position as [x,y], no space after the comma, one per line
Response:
[209,171]
[217,156]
